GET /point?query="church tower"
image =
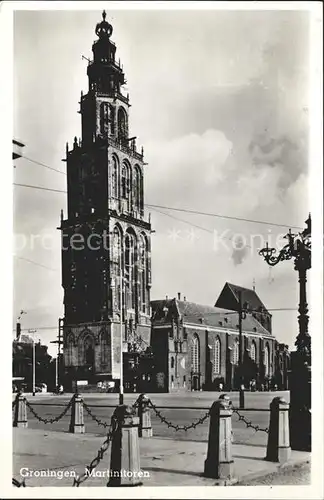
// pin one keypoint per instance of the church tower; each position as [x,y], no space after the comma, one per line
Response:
[106,264]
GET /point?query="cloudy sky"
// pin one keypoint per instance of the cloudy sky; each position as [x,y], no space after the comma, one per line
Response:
[219,102]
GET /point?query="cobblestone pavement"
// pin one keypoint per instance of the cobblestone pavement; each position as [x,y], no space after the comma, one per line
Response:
[297,474]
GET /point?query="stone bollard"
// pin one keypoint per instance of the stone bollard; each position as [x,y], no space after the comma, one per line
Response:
[278,448]
[20,418]
[77,421]
[125,458]
[219,463]
[144,415]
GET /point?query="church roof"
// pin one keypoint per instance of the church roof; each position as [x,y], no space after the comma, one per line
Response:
[229,298]
[198,314]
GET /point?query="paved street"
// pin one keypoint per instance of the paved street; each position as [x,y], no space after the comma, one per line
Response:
[168,462]
[47,407]
[296,474]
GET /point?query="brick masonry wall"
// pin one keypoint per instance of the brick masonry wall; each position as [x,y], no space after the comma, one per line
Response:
[177,366]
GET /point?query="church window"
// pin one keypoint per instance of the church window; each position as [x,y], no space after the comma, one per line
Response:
[89,351]
[138,188]
[267,360]
[125,181]
[142,270]
[236,351]
[112,119]
[253,352]
[122,124]
[114,178]
[130,278]
[217,348]
[195,354]
[116,257]
[104,118]
[172,362]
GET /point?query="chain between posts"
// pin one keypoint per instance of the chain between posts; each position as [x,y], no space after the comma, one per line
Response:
[102,422]
[102,450]
[178,427]
[96,419]
[50,420]
[248,423]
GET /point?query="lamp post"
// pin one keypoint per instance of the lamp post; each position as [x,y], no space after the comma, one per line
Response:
[121,383]
[299,249]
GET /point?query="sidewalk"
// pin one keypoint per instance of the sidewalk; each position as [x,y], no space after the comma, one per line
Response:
[168,462]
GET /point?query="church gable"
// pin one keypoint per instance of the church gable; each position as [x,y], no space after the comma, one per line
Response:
[229,298]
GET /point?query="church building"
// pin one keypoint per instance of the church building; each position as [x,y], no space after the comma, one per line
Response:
[197,347]
[106,238]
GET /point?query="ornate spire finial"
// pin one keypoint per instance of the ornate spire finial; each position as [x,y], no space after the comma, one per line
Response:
[103,29]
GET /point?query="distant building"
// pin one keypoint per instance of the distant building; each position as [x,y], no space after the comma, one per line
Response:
[196,347]
[107,278]
[22,361]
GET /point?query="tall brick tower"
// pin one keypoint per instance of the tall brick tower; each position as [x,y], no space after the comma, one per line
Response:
[106,265]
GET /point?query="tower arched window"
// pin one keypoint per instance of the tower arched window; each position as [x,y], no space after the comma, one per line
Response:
[138,188]
[172,362]
[236,353]
[253,352]
[117,264]
[88,349]
[122,124]
[267,360]
[114,178]
[217,354]
[112,119]
[125,183]
[143,272]
[104,118]
[195,354]
[130,278]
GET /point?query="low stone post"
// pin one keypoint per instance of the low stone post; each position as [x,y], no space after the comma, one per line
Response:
[77,421]
[125,457]
[219,463]
[144,415]
[278,449]
[20,417]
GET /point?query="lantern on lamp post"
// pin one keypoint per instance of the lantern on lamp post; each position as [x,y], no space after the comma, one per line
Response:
[299,249]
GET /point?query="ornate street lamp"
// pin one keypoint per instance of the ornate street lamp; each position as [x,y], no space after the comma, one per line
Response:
[298,248]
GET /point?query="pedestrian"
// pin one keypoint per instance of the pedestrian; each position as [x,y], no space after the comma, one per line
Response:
[220,386]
